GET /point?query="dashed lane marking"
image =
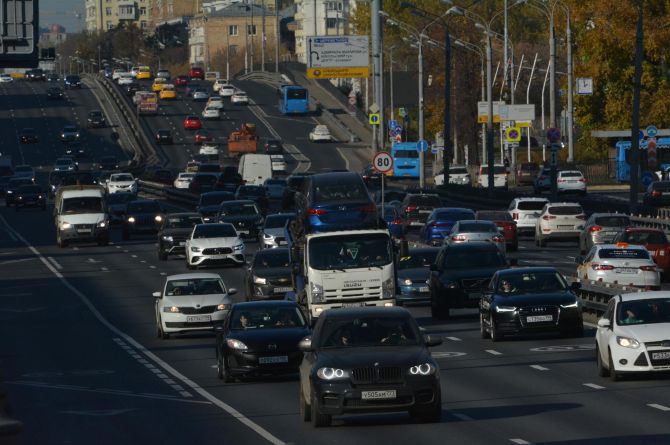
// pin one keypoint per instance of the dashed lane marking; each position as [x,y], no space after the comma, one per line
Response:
[453,338]
[539,367]
[657,406]
[594,386]
[462,417]
[520,441]
[493,352]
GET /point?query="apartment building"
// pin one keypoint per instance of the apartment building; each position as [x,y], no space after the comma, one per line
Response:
[319,18]
[102,15]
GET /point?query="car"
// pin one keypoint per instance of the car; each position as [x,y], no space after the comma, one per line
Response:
[209,149]
[390,195]
[108,163]
[226,90]
[244,215]
[371,176]
[192,123]
[602,228]
[121,183]
[273,234]
[79,178]
[163,136]
[458,174]
[268,276]
[214,244]
[278,163]
[215,102]
[163,74]
[142,216]
[395,222]
[320,133]
[95,119]
[125,79]
[239,98]
[619,263]
[370,359]
[28,136]
[506,225]
[69,133]
[255,193]
[72,81]
[542,180]
[211,113]
[413,272]
[460,275]
[210,202]
[158,84]
[293,184]
[631,337]
[53,77]
[117,205]
[559,220]
[30,196]
[6,78]
[499,176]
[131,88]
[657,194]
[133,72]
[75,149]
[260,338]
[218,82]
[65,163]
[13,186]
[191,302]
[4,181]
[174,230]
[467,231]
[204,182]
[418,206]
[526,172]
[142,73]
[168,92]
[181,80]
[200,95]
[571,181]
[526,211]
[273,146]
[55,93]
[530,300]
[196,73]
[117,72]
[654,240]
[274,187]
[36,74]
[440,222]
[24,171]
[202,136]
[183,180]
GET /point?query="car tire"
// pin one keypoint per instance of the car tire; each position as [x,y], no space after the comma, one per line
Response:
[493,331]
[318,419]
[222,369]
[161,333]
[61,242]
[431,413]
[438,312]
[602,370]
[614,376]
[483,333]
[162,256]
[303,407]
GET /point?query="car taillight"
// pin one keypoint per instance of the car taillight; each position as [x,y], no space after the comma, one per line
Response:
[656,193]
[595,229]
[369,209]
[648,268]
[316,212]
[582,179]
[515,216]
[498,239]
[458,238]
[597,266]
[410,209]
[561,180]
[548,217]
[396,221]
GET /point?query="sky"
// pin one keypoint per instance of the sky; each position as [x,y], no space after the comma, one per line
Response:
[63,13]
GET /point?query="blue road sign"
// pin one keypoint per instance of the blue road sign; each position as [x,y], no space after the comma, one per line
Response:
[393,123]
[422,145]
[652,131]
[398,130]
[641,135]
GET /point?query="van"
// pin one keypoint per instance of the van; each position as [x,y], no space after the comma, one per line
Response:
[499,176]
[255,168]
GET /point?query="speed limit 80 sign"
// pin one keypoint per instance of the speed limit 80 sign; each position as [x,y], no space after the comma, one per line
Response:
[382,162]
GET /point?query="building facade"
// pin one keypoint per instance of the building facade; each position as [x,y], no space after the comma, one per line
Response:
[319,18]
[163,12]
[102,15]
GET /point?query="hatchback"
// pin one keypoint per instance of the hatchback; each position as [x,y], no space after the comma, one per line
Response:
[571,181]
[467,231]
[559,221]
[602,228]
[192,123]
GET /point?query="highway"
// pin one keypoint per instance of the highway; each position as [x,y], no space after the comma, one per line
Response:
[82,363]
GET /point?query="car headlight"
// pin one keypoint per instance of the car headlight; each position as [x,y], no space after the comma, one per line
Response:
[317,293]
[40,196]
[259,280]
[505,309]
[168,238]
[102,224]
[195,249]
[19,198]
[223,307]
[573,305]
[451,285]
[388,288]
[10,191]
[171,309]
[406,282]
[158,218]
[268,236]
[332,374]
[628,342]
[238,246]
[423,369]
[65,225]
[236,344]
[131,219]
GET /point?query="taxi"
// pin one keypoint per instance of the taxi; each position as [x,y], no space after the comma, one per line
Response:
[157,86]
[620,263]
[168,92]
[143,72]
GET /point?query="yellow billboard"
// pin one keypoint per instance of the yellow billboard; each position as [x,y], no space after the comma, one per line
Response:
[331,73]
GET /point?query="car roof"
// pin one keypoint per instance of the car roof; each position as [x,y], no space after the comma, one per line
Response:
[187,276]
[453,209]
[260,304]
[370,311]
[522,270]
[143,201]
[529,198]
[564,204]
[239,201]
[647,295]
[333,177]
[618,246]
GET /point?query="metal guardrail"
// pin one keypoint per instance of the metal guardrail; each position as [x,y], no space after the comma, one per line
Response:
[595,295]
[169,193]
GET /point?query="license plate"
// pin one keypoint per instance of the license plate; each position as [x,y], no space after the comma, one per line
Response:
[610,233]
[243,232]
[84,230]
[424,289]
[660,355]
[198,318]
[378,395]
[425,211]
[271,360]
[283,243]
[539,318]
[625,270]
[352,304]
[416,223]
[278,290]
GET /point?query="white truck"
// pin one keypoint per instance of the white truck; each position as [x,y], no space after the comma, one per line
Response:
[255,168]
[80,214]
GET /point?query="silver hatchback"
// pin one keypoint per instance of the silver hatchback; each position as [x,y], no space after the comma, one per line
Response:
[476,230]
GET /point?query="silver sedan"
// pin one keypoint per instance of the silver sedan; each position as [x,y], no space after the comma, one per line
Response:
[474,230]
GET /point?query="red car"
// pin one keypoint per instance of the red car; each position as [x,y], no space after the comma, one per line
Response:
[654,240]
[196,73]
[192,123]
[202,136]
[181,81]
[505,223]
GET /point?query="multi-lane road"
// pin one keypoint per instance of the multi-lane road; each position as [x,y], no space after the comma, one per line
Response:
[81,362]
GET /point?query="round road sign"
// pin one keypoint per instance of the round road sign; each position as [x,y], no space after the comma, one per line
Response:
[652,131]
[382,162]
[513,134]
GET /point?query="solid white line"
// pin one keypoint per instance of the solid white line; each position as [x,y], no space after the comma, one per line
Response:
[168,368]
[55,263]
[520,441]
[594,386]
[453,338]
[346,159]
[657,406]
[539,368]
[20,260]
[493,352]
[463,417]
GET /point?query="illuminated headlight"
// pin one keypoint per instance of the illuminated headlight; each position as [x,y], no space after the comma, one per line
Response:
[168,238]
[171,309]
[259,280]
[452,285]
[66,225]
[76,135]
[627,342]
[423,369]
[505,309]
[195,249]
[10,192]
[236,344]
[40,196]
[317,293]
[268,236]
[222,307]
[158,218]
[571,305]
[131,219]
[102,224]
[332,374]
[406,282]
[19,198]
[388,288]
[239,246]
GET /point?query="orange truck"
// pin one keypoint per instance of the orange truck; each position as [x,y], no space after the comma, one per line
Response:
[243,140]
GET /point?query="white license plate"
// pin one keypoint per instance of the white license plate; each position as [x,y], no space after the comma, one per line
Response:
[566,227]
[352,304]
[625,270]
[378,395]
[182,243]
[198,318]
[660,355]
[424,289]
[84,230]
[416,223]
[282,289]
[271,360]
[425,211]
[283,243]
[539,318]
[611,233]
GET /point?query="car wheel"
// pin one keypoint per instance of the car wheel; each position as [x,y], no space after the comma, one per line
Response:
[222,369]
[439,312]
[162,256]
[483,333]
[61,242]
[304,407]
[614,376]
[125,235]
[602,370]
[318,419]
[161,333]
[431,413]
[495,335]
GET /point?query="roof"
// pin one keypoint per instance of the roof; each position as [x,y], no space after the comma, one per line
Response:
[648,295]
[522,270]
[453,209]
[610,214]
[530,198]
[191,276]
[472,245]
[370,311]
[239,10]
[348,232]
[334,177]
[563,204]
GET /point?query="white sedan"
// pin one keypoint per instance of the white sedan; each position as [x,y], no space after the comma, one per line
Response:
[214,244]
[191,302]
[215,102]
[239,98]
[211,113]
[125,79]
[121,183]
[6,78]
[632,335]
[320,133]
[226,90]
[620,263]
[64,165]
[209,149]
[183,180]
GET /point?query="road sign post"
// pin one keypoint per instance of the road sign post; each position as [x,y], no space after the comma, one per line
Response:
[554,138]
[382,162]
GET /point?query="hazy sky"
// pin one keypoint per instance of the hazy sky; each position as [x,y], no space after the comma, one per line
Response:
[63,13]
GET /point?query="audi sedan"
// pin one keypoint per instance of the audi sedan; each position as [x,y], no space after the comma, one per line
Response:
[192,123]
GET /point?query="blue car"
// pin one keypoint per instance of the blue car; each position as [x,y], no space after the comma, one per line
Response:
[394,220]
[440,222]
[413,272]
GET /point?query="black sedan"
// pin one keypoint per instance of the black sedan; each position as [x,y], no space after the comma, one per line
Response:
[13,186]
[413,272]
[260,338]
[55,93]
[30,196]
[28,136]
[269,275]
[255,193]
[163,136]
[210,203]
[117,206]
[96,119]
[530,300]
[108,163]
[69,133]
[142,216]
[369,359]
[174,231]
[244,215]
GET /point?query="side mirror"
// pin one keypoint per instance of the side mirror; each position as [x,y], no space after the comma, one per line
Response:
[432,340]
[232,291]
[305,344]
[575,285]
[604,323]
[158,294]
[513,262]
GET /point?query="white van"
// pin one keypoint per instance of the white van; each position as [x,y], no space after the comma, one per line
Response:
[255,168]
[499,176]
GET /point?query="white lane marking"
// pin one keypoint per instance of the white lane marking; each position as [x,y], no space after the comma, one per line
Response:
[100,412]
[345,158]
[55,263]
[104,269]
[539,367]
[594,386]
[657,406]
[152,267]
[462,417]
[493,352]
[163,273]
[453,338]
[143,261]
[520,441]
[19,260]
[134,256]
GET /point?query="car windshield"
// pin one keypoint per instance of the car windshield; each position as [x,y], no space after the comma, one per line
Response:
[120,178]
[17,182]
[271,258]
[194,286]
[458,171]
[267,317]
[453,215]
[472,259]
[566,210]
[531,282]
[182,221]
[30,189]
[531,205]
[277,221]
[144,207]
[497,170]
[373,331]
[613,221]
[85,204]
[494,216]
[474,227]
[239,209]
[214,231]
[570,175]
[614,254]
[340,192]
[416,259]
[349,252]
[645,237]
[120,198]
[656,310]
[23,169]
[212,199]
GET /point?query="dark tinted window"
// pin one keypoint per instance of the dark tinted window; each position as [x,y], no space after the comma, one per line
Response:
[276,221]
[494,216]
[239,209]
[571,175]
[422,258]
[296,94]
[531,282]
[475,258]
[531,205]
[662,186]
[613,221]
[249,190]
[566,210]
[343,191]
[182,221]
[639,237]
[350,252]
[623,254]
[144,207]
[458,170]
[30,189]
[267,317]
[497,170]
[477,227]
[210,199]
[655,310]
[271,258]
[406,154]
[340,332]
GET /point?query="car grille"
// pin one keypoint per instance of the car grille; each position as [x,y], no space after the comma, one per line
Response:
[197,310]
[217,251]
[662,344]
[402,400]
[376,374]
[84,227]
[641,360]
[475,283]
[279,281]
[178,324]
[354,294]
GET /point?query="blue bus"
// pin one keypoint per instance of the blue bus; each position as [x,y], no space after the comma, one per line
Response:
[293,99]
[647,173]
[405,160]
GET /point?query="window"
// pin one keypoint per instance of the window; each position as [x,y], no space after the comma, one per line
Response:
[232,30]
[108,11]
[109,25]
[331,22]
[143,10]
[233,50]
[334,6]
[251,30]
[143,24]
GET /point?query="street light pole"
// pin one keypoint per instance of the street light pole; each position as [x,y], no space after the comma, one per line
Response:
[489,121]
[476,49]
[552,73]
[570,129]
[421,154]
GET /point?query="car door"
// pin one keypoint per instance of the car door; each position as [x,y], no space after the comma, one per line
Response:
[307,363]
[487,300]
[603,334]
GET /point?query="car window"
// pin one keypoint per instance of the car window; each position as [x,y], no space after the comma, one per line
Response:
[277,221]
[411,154]
[214,231]
[340,192]
[194,286]
[271,258]
[458,170]
[182,221]
[122,177]
[570,174]
[239,209]
[531,282]
[266,317]
[417,259]
[531,205]
[425,201]
[477,228]
[368,332]
[640,237]
[623,254]
[613,221]
[454,216]
[565,210]
[634,312]
[494,216]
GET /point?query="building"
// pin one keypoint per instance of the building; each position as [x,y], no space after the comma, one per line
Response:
[318,18]
[52,36]
[102,15]
[170,12]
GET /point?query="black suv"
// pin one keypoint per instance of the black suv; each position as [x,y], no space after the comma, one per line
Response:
[174,231]
[95,119]
[244,215]
[273,147]
[417,207]
[55,93]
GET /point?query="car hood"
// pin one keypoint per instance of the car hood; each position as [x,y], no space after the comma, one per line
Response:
[196,300]
[356,357]
[538,298]
[83,218]
[117,207]
[209,209]
[414,274]
[175,231]
[229,241]
[259,339]
[646,332]
[272,272]
[236,218]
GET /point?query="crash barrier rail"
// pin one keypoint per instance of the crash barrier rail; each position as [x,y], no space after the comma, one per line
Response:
[169,193]
[9,428]
[595,295]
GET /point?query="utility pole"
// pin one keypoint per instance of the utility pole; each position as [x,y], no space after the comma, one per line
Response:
[376,28]
[489,121]
[552,73]
[263,36]
[571,81]
[422,173]
[277,35]
[635,130]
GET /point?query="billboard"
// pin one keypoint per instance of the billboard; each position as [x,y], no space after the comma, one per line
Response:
[337,56]
[19,28]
